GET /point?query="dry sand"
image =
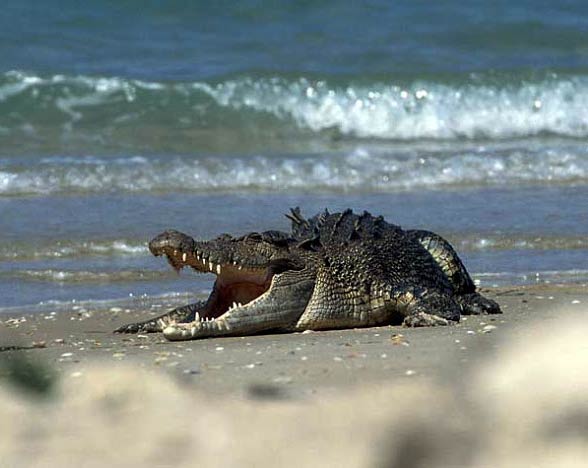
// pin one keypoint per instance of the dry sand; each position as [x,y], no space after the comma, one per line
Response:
[505,390]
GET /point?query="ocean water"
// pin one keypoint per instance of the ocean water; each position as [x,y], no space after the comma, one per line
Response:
[121,119]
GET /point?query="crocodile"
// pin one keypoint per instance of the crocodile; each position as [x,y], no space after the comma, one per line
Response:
[333,270]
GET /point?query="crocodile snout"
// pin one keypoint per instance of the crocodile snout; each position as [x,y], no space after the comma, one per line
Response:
[171,240]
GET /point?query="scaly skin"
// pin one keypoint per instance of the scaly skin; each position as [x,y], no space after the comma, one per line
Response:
[338,270]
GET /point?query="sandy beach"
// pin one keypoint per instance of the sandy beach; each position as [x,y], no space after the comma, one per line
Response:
[298,364]
[447,396]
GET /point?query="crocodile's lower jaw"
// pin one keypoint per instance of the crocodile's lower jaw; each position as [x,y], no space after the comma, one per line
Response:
[187,331]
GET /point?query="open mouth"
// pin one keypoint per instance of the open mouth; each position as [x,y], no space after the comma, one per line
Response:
[235,286]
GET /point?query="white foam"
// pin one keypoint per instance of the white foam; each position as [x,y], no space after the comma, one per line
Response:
[74,249]
[357,170]
[6,180]
[77,276]
[545,276]
[407,115]
[422,110]
[518,242]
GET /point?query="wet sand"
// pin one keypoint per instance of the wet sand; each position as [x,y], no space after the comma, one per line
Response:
[501,391]
[285,365]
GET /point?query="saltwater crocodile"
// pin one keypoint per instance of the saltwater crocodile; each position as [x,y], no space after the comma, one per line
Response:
[340,270]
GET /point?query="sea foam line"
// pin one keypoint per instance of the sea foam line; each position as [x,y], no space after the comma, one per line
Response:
[530,277]
[367,170]
[73,249]
[87,277]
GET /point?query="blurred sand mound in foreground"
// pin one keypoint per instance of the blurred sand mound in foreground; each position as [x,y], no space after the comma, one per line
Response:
[525,406]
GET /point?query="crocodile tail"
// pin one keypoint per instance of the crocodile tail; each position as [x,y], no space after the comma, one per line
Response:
[447,259]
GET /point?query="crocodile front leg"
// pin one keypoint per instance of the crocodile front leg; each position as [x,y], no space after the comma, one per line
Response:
[185,313]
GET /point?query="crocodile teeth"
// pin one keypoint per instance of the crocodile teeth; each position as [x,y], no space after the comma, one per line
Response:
[184,256]
[197,317]
[218,269]
[210,266]
[234,305]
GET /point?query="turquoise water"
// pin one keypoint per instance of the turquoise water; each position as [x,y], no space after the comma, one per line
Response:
[121,119]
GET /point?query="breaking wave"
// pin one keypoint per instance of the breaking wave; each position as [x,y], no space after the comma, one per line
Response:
[119,112]
[65,134]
